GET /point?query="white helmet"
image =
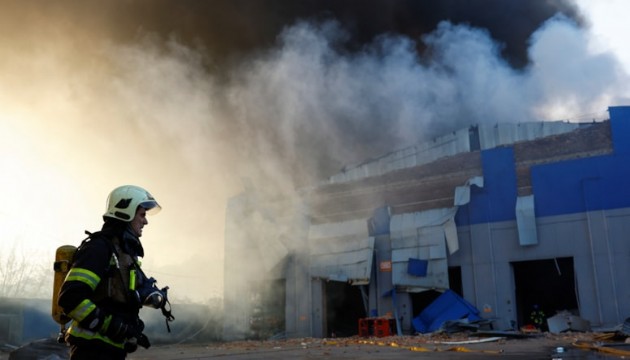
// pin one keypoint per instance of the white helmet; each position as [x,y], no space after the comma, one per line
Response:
[123,201]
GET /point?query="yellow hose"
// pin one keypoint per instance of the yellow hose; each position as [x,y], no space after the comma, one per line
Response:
[604,349]
[418,348]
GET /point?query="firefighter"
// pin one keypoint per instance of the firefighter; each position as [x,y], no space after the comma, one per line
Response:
[98,293]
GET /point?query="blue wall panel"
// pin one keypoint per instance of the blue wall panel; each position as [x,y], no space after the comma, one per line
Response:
[620,128]
[595,183]
[581,185]
[496,201]
[565,187]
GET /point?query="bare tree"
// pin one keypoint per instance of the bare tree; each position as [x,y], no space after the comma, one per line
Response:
[21,276]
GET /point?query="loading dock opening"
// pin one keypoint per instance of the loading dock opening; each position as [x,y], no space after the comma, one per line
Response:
[420,300]
[344,308]
[546,284]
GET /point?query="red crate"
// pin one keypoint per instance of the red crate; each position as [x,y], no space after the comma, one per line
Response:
[364,328]
[379,327]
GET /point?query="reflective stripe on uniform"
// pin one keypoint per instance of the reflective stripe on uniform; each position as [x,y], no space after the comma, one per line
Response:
[82,310]
[84,276]
[105,326]
[132,279]
[77,331]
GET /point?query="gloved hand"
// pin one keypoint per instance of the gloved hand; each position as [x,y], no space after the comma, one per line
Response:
[141,339]
[117,329]
[131,345]
[139,325]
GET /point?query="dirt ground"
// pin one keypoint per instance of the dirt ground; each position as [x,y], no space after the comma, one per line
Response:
[459,346]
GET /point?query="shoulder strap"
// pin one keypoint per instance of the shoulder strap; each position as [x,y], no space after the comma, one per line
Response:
[92,236]
[95,235]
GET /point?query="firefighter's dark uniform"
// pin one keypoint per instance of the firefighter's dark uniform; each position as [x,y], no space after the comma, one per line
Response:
[95,295]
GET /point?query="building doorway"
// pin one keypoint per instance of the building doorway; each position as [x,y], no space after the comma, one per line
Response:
[545,285]
[344,308]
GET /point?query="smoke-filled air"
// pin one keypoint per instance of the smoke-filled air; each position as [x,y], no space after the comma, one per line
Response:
[235,95]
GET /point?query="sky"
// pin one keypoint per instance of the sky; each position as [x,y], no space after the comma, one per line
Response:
[196,101]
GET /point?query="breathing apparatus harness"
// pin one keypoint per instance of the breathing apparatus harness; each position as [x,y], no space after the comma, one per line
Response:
[148,294]
[144,292]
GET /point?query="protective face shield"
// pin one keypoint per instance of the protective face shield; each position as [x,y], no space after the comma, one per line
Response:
[152,297]
[123,201]
[149,295]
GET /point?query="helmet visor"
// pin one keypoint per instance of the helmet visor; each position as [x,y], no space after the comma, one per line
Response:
[151,206]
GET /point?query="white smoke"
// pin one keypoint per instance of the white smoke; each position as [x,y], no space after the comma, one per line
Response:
[567,78]
[386,96]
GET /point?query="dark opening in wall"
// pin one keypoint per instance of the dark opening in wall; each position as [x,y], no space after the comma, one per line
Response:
[545,285]
[344,308]
[455,280]
[421,300]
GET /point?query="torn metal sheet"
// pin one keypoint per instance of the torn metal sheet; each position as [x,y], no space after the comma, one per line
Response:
[450,232]
[423,236]
[448,306]
[427,244]
[341,251]
[462,193]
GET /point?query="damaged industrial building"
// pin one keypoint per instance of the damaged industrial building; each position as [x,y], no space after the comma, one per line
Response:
[503,218]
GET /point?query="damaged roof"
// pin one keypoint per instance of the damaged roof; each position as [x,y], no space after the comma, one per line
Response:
[432,185]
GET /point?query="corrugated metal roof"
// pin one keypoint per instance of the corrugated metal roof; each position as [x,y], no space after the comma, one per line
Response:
[490,136]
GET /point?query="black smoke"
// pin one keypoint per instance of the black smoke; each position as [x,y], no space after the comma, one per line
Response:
[236,27]
[232,29]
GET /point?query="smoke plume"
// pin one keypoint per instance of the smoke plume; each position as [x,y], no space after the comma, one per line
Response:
[197,100]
